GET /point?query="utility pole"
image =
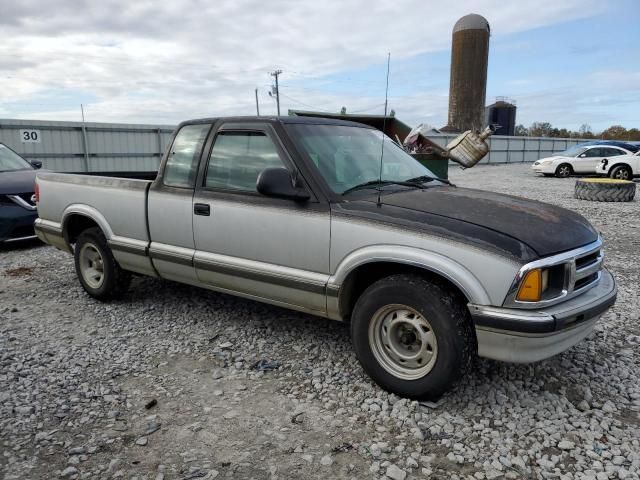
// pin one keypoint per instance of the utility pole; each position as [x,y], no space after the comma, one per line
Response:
[257,106]
[275,74]
[85,143]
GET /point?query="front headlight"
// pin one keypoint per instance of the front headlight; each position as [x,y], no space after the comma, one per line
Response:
[542,283]
[546,162]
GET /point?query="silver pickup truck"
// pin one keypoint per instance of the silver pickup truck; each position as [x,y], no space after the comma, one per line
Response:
[330,218]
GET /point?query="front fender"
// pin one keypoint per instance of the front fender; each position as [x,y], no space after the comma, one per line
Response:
[447,267]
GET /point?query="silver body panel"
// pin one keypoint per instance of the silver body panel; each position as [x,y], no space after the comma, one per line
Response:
[171,228]
[278,251]
[357,242]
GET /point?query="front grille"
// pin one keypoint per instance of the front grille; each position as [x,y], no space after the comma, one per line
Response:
[583,282]
[25,200]
[4,200]
[587,269]
[587,260]
[27,197]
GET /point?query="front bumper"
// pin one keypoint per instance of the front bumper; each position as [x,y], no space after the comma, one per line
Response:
[520,336]
[16,223]
[543,168]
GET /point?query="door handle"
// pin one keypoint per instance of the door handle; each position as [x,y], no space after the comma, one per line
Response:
[201,209]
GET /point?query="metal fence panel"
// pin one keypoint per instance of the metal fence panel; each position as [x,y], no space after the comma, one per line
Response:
[131,147]
[61,146]
[511,149]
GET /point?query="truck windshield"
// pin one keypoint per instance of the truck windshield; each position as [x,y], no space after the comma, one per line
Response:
[350,156]
[10,161]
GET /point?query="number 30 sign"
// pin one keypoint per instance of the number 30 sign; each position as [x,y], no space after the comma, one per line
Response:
[30,136]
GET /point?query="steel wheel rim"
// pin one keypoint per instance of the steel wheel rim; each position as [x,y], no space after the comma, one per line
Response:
[91,265]
[403,342]
[564,171]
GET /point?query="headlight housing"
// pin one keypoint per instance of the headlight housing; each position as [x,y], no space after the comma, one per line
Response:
[556,278]
[542,283]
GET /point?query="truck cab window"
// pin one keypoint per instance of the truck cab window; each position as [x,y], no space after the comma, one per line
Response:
[182,163]
[237,158]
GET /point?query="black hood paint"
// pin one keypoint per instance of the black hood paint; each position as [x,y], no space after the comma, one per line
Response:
[18,181]
[525,229]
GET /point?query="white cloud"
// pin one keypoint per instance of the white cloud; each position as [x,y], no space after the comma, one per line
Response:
[162,62]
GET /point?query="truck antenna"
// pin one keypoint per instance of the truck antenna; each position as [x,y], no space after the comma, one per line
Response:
[384,125]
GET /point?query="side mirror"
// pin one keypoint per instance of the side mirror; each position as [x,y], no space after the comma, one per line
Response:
[37,164]
[279,182]
[582,155]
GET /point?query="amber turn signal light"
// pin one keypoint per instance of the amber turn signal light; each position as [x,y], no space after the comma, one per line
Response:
[531,287]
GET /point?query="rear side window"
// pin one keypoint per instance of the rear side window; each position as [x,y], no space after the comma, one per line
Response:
[237,158]
[611,152]
[182,162]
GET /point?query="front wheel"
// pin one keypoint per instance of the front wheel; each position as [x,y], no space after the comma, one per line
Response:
[412,336]
[98,272]
[564,170]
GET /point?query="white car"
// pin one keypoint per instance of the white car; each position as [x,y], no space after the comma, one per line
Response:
[623,167]
[578,159]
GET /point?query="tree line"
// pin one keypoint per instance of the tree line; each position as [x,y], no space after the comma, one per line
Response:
[545,129]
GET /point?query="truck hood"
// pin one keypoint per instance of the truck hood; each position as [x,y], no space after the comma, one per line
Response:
[514,226]
[18,181]
[545,228]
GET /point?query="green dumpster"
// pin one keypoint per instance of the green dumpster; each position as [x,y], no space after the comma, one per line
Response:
[438,165]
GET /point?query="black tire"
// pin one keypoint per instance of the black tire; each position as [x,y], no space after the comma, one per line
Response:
[605,190]
[449,322]
[564,170]
[115,281]
[621,172]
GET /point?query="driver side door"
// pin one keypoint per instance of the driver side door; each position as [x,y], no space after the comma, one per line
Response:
[588,161]
[270,249]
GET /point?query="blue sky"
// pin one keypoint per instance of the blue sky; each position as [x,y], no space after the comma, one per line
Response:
[566,62]
[559,73]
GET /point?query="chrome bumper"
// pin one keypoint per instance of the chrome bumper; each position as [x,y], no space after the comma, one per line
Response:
[521,336]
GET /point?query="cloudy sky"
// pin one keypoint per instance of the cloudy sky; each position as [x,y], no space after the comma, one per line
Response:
[567,62]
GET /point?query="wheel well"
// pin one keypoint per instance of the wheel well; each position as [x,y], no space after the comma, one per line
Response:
[565,163]
[75,225]
[615,165]
[365,275]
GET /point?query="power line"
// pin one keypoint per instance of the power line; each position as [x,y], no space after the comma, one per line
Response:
[305,104]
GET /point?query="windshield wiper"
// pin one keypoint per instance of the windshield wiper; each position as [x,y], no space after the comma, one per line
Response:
[427,178]
[372,183]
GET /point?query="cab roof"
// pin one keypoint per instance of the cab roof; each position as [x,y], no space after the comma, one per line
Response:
[274,119]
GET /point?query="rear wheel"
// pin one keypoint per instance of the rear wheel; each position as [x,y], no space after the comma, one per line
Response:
[413,337]
[564,170]
[98,272]
[621,172]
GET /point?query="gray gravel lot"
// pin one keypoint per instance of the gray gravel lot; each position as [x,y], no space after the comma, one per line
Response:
[77,376]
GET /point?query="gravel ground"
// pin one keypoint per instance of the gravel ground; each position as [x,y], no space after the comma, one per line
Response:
[178,382]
